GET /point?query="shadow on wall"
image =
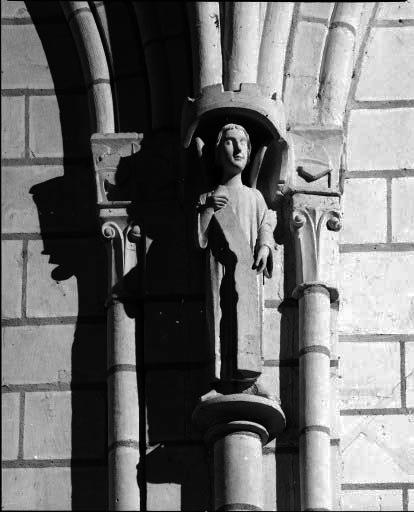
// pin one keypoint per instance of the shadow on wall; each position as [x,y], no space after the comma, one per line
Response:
[173,360]
[177,369]
[172,356]
[70,233]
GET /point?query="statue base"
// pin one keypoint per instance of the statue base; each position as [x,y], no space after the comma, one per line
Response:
[236,427]
[219,410]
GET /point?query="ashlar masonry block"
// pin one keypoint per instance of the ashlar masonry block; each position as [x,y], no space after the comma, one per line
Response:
[321,10]
[60,424]
[47,198]
[409,373]
[368,499]
[58,126]
[24,63]
[19,212]
[78,354]
[65,278]
[388,66]
[377,448]
[36,489]
[365,211]
[396,10]
[11,282]
[163,496]
[45,131]
[370,375]
[10,407]
[14,9]
[47,429]
[381,139]
[54,488]
[302,80]
[376,291]
[403,209]
[12,126]
[47,296]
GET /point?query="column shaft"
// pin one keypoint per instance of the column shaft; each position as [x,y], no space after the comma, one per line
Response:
[314,396]
[238,480]
[123,411]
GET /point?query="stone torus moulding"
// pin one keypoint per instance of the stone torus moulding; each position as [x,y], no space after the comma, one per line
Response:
[123,237]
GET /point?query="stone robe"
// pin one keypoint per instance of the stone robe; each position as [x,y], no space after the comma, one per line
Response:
[233,289]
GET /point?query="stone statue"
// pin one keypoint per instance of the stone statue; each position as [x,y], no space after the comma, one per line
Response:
[236,227]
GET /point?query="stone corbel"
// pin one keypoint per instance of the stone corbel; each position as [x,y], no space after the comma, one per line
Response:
[110,153]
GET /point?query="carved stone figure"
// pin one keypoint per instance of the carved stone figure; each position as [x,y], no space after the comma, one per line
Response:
[236,227]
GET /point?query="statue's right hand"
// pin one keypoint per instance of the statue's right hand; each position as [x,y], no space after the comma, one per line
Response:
[217,201]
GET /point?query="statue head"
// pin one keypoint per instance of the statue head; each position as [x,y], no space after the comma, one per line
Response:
[233,149]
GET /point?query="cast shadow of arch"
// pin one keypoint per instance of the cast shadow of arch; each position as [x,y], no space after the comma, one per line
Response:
[70,231]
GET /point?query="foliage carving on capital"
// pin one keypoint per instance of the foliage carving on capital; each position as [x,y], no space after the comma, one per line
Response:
[122,248]
[314,223]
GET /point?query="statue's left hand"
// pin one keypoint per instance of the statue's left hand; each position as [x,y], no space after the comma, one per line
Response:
[261,258]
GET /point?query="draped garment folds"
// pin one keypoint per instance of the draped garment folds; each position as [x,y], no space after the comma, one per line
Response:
[233,288]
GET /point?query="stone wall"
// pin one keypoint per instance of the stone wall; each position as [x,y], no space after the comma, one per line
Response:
[53,273]
[54,268]
[376,320]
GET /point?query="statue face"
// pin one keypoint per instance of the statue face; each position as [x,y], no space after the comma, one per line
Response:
[233,151]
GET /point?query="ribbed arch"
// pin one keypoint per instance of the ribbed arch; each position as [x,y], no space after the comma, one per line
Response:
[94,64]
[162,35]
[301,51]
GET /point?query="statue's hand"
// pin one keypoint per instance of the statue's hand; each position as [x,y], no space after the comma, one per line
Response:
[217,201]
[261,258]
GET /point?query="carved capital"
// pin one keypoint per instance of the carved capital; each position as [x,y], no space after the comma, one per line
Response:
[314,223]
[122,244]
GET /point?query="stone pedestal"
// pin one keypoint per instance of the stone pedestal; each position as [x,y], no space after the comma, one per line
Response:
[235,428]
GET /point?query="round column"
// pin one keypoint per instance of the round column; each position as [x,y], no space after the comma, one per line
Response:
[236,428]
[237,460]
[123,411]
[314,396]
